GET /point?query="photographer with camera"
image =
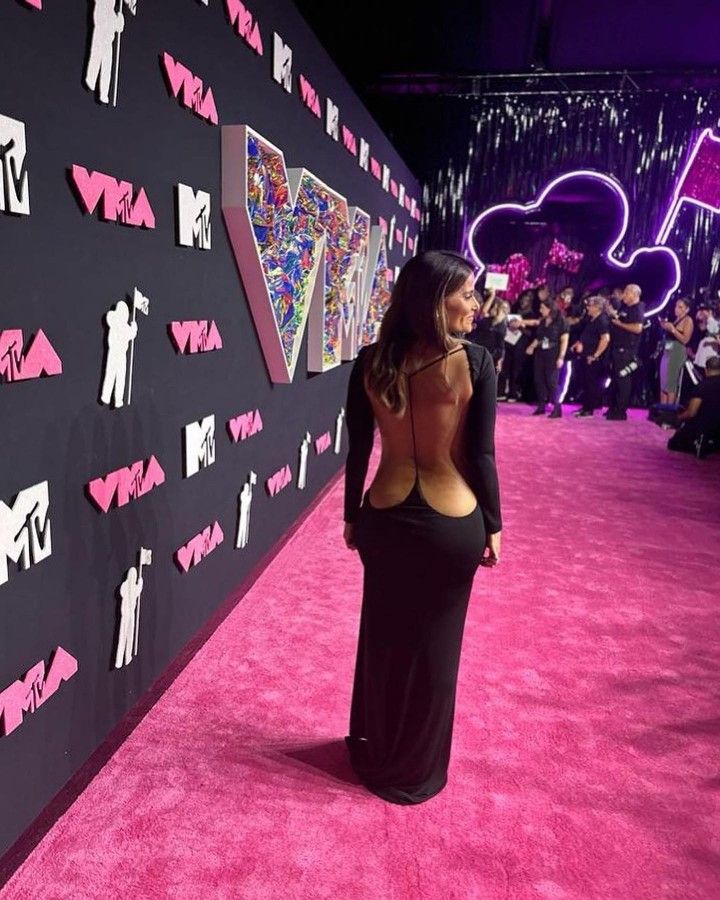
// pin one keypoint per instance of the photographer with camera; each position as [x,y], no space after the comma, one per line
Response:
[590,348]
[626,328]
[699,430]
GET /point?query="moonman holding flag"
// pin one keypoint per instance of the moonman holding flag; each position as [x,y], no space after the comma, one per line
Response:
[122,331]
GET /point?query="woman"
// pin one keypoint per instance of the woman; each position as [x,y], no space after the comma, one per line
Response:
[549,346]
[490,331]
[679,334]
[430,517]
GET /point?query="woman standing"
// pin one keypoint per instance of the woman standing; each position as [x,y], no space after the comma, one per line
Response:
[491,329]
[429,519]
[679,333]
[549,346]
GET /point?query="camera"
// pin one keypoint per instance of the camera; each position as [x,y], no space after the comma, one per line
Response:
[631,367]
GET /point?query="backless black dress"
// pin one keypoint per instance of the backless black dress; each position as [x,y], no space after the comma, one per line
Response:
[419,566]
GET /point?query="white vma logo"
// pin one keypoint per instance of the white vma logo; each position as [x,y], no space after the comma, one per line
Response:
[193,218]
[14,191]
[25,529]
[199,445]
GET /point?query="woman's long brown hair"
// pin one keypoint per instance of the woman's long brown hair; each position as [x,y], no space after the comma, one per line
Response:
[415,319]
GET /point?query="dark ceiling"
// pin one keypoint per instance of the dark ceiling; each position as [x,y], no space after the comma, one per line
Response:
[419,73]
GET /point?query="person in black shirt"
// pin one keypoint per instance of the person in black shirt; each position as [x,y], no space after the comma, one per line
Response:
[590,347]
[549,348]
[627,325]
[490,331]
[700,423]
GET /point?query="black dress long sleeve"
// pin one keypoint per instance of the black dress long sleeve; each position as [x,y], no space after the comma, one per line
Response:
[480,436]
[418,566]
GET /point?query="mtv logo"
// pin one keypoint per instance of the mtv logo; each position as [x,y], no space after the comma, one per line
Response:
[199,441]
[14,190]
[193,218]
[332,120]
[25,529]
[282,63]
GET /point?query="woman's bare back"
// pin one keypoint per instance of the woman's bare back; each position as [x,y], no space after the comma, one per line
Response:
[427,442]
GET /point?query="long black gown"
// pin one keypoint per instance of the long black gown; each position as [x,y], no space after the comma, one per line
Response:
[419,566]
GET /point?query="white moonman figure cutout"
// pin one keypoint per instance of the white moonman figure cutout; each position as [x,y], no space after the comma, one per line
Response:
[338,430]
[302,470]
[130,591]
[103,68]
[244,503]
[122,331]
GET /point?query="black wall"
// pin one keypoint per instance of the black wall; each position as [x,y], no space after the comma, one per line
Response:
[62,270]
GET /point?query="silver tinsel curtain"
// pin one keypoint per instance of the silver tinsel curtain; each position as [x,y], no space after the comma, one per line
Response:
[518,143]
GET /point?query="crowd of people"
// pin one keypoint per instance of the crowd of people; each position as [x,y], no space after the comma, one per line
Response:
[587,350]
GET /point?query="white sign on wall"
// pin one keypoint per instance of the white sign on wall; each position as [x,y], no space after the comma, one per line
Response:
[122,330]
[244,505]
[199,442]
[282,63]
[103,67]
[25,536]
[129,627]
[193,218]
[14,189]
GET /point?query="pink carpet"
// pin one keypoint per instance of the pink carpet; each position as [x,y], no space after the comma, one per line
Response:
[586,759]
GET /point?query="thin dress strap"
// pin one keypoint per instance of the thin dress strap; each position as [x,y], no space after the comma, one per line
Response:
[412,417]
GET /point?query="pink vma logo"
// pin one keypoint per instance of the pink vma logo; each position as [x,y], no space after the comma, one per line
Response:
[244,426]
[198,336]
[199,547]
[26,695]
[119,200]
[126,484]
[182,79]
[279,481]
[323,443]
[310,97]
[37,359]
[245,26]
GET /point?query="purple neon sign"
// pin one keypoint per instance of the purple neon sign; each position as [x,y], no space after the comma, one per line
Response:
[662,254]
[698,184]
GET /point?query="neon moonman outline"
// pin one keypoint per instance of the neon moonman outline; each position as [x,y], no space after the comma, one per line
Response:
[608,254]
[14,188]
[707,142]
[27,694]
[25,533]
[329,289]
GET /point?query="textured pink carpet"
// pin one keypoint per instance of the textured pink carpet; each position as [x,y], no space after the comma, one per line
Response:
[586,759]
